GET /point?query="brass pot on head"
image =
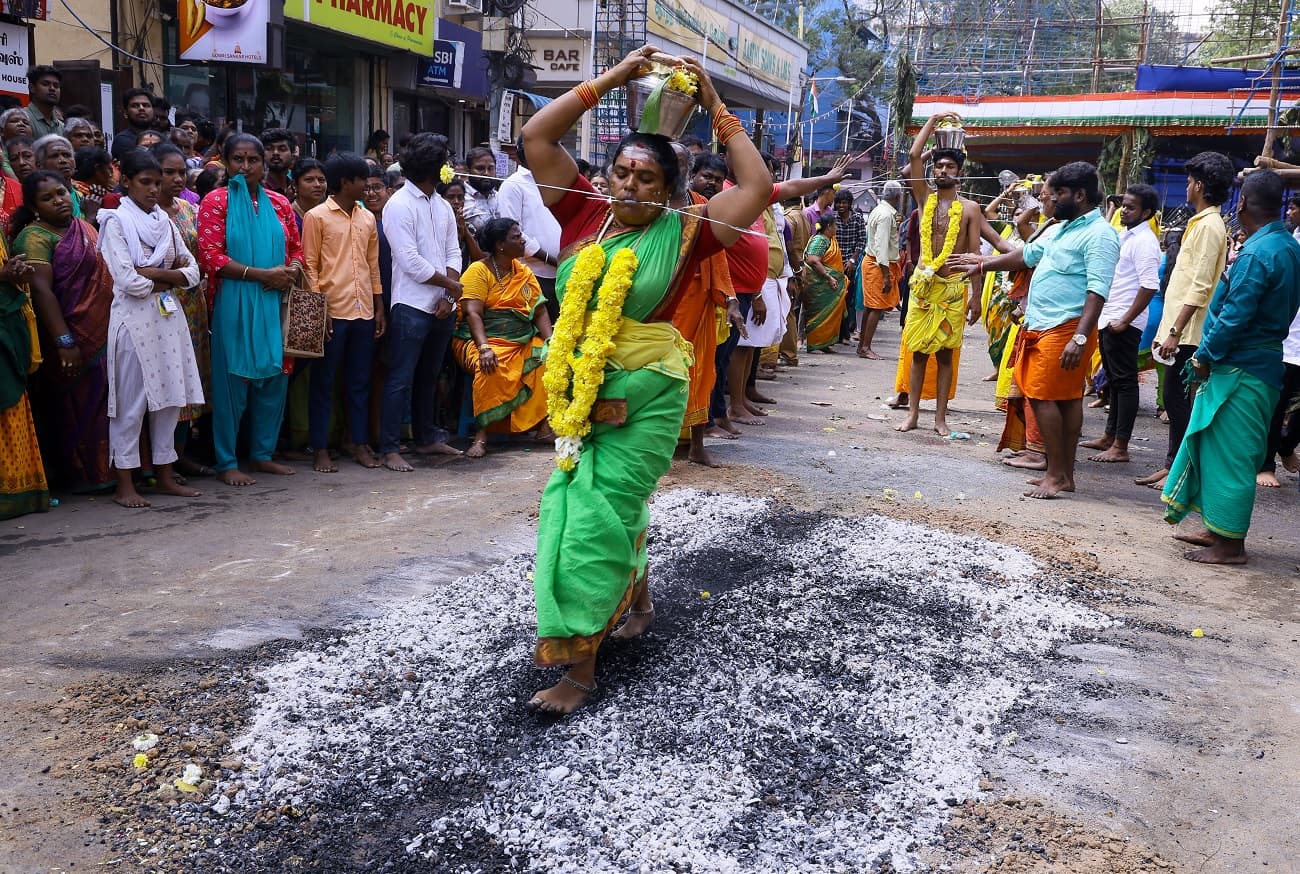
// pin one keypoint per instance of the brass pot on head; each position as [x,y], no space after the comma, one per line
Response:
[950,136]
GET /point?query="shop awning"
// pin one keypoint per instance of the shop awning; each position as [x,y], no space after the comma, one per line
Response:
[537,100]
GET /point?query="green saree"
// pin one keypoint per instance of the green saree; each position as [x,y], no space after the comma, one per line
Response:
[591,555]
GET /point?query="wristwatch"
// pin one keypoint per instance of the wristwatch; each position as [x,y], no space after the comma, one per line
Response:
[65,341]
[1080,340]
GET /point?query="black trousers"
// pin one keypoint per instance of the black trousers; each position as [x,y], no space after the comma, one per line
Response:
[1119,355]
[1284,436]
[1177,404]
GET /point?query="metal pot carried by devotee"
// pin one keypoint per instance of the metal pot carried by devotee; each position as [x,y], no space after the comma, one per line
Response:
[950,136]
[675,107]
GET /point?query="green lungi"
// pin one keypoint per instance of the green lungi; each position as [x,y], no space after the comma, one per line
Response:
[1214,471]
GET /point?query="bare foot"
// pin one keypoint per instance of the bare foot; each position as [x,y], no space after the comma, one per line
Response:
[700,455]
[1267,479]
[870,355]
[1027,461]
[394,461]
[725,424]
[477,449]
[743,418]
[1222,552]
[1099,443]
[635,625]
[128,497]
[1200,538]
[323,463]
[941,427]
[439,448]
[1159,485]
[1096,404]
[897,402]
[909,425]
[1112,455]
[362,455]
[1046,489]
[753,395]
[561,699]
[718,433]
[1150,479]
[992,377]
[171,484]
[1291,462]
[271,467]
[235,477]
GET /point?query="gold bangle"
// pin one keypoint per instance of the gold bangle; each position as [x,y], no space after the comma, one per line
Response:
[484,347]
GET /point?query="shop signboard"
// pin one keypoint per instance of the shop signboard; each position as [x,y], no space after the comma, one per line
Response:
[401,24]
[763,59]
[687,23]
[506,118]
[223,30]
[560,60]
[444,69]
[15,58]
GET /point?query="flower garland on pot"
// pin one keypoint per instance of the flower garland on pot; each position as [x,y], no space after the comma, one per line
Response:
[575,361]
[930,262]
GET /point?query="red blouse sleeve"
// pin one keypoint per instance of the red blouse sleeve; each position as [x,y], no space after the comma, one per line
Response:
[212,232]
[579,212]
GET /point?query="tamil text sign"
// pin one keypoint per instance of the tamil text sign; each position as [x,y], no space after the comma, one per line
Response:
[761,58]
[687,23]
[15,58]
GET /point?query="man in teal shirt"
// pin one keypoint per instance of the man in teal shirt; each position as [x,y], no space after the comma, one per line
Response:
[1238,367]
[1070,284]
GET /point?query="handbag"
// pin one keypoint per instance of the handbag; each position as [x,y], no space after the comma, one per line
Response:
[302,318]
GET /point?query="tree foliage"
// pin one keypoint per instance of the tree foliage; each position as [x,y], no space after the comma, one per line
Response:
[1242,27]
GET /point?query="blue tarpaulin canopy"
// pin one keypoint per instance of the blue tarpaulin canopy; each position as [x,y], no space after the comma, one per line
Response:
[1151,77]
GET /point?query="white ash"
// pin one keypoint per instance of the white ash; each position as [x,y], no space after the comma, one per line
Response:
[818,711]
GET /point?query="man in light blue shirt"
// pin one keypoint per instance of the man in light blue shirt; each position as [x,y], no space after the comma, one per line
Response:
[1070,285]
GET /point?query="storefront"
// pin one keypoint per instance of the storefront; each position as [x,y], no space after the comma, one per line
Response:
[325,74]
[445,92]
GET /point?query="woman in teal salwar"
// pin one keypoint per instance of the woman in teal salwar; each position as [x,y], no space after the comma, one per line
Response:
[591,558]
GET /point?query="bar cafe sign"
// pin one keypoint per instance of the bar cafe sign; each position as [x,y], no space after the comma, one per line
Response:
[556,59]
[397,23]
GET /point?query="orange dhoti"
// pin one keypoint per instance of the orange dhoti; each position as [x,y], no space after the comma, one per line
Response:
[876,293]
[1036,364]
[697,319]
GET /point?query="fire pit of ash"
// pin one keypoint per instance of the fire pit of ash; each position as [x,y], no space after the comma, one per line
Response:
[816,695]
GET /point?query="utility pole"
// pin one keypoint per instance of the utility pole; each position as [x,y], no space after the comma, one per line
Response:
[1096,50]
[1283,36]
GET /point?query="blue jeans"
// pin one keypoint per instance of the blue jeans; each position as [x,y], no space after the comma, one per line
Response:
[417,346]
[352,345]
[722,359]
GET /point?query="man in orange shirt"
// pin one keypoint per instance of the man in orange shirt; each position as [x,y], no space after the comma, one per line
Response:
[341,248]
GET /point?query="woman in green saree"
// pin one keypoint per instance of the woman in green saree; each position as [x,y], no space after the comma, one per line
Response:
[824,286]
[591,557]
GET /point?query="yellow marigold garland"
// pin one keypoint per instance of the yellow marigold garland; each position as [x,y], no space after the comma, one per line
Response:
[575,373]
[931,262]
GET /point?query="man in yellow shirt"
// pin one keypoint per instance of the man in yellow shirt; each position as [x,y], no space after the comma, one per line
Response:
[340,244]
[1200,266]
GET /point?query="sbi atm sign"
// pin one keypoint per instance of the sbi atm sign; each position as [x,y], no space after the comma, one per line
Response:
[443,70]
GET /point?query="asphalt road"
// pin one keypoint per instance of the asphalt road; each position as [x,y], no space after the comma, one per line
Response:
[118,605]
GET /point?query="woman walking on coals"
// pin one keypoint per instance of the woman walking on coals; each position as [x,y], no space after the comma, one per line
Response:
[617,370]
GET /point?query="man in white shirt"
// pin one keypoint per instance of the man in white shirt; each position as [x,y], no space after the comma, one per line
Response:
[1293,215]
[481,198]
[1284,431]
[1124,317]
[881,265]
[421,231]
[520,199]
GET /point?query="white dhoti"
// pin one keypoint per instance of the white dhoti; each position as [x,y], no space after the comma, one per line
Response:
[769,333]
